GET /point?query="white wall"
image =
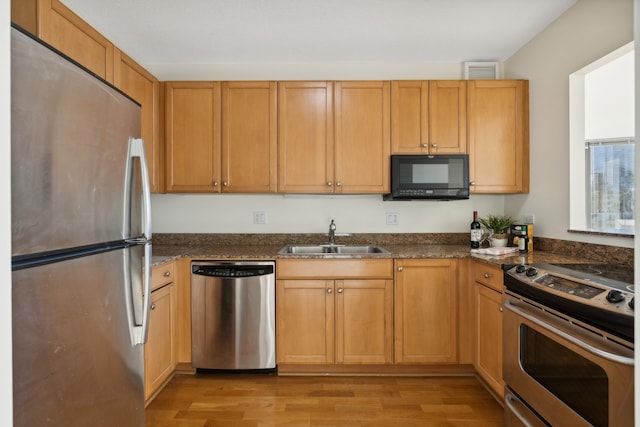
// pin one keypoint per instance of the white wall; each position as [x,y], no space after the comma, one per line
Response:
[585,32]
[6,373]
[312,214]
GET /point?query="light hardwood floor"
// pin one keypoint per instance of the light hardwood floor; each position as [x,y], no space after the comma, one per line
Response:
[207,400]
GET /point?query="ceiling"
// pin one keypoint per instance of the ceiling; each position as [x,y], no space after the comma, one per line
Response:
[313,31]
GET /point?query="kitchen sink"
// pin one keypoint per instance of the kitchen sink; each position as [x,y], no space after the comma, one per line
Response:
[330,249]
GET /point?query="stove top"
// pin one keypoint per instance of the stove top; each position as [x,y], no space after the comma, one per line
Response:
[599,294]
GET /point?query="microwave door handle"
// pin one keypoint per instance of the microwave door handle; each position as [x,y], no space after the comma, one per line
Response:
[509,305]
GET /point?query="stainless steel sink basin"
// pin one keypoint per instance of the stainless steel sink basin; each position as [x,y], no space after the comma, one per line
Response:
[332,249]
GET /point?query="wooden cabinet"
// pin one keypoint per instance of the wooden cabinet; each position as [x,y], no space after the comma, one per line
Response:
[56,24]
[362,138]
[249,137]
[499,136]
[140,85]
[305,137]
[160,349]
[334,311]
[429,117]
[488,350]
[426,311]
[192,137]
[334,137]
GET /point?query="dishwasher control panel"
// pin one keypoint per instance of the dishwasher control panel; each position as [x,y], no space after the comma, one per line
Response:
[232,270]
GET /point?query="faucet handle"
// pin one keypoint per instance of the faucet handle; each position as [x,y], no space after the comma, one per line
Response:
[332,226]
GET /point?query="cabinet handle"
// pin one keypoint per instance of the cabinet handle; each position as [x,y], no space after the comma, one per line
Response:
[225,183]
[425,145]
[329,183]
[339,290]
[500,309]
[472,183]
[400,269]
[153,306]
[215,183]
[486,275]
[329,291]
[434,145]
[339,184]
[167,273]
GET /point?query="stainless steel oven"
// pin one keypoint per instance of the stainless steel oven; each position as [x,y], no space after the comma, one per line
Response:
[568,348]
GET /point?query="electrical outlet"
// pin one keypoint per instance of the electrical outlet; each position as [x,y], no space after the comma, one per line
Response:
[529,218]
[259,217]
[393,218]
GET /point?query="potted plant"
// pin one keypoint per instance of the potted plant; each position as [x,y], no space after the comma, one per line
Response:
[498,228]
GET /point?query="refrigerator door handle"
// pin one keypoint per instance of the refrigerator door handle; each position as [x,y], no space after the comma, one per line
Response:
[136,150]
[138,297]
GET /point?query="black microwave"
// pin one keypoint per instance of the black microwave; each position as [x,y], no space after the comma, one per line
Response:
[422,176]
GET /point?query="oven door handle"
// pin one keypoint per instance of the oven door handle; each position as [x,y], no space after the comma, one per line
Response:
[509,305]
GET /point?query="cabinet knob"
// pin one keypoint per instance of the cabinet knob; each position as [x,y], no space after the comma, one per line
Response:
[225,183]
[329,183]
[425,145]
[339,184]
[153,306]
[340,290]
[329,290]
[472,183]
[486,275]
[500,309]
[167,273]
[434,145]
[215,183]
[400,269]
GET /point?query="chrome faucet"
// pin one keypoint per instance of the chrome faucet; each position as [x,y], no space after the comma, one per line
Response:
[332,233]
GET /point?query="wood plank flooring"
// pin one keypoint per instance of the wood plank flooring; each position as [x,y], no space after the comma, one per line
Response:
[207,400]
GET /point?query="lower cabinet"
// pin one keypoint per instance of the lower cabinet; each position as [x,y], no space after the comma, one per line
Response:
[488,349]
[426,314]
[160,349]
[334,312]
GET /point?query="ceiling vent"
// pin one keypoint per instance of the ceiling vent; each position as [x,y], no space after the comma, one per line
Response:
[481,70]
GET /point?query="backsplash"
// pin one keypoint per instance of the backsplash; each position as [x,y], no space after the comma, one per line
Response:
[601,253]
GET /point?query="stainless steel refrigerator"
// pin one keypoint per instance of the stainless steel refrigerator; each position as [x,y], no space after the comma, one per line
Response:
[81,244]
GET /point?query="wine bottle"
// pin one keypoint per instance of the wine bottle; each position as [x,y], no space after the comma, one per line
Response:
[476,232]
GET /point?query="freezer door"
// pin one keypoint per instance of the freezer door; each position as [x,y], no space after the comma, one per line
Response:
[74,361]
[70,136]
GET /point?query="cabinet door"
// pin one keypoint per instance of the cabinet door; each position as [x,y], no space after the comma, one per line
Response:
[364,321]
[140,85]
[488,352]
[426,321]
[362,138]
[56,24]
[305,137]
[305,321]
[160,349]
[192,136]
[410,124]
[499,136]
[447,116]
[249,137]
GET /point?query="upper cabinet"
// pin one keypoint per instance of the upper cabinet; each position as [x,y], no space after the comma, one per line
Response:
[305,137]
[499,136]
[57,25]
[140,85]
[249,137]
[362,137]
[334,137]
[429,117]
[192,137]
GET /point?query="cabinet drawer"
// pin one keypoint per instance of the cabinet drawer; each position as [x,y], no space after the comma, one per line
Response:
[489,275]
[162,274]
[334,268]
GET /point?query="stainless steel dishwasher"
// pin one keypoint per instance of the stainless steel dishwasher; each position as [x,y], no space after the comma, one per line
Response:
[233,315]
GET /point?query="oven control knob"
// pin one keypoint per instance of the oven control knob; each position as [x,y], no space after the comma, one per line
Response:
[521,268]
[632,304]
[615,296]
[531,271]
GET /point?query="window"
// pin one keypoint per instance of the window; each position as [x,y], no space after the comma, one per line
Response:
[602,149]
